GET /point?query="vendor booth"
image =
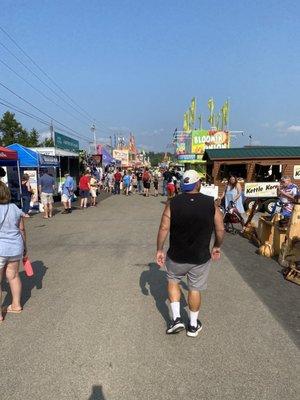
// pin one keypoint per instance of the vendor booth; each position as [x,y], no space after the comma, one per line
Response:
[252,164]
[68,161]
[31,162]
[9,161]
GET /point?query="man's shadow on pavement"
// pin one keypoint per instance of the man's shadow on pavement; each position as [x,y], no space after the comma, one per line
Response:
[28,283]
[97,393]
[156,280]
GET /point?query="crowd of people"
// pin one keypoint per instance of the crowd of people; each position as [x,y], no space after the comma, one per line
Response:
[129,182]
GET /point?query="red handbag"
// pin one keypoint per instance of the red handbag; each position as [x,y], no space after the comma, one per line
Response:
[27,266]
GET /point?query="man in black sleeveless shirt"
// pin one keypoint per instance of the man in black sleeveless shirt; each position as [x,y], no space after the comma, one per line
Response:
[191,219]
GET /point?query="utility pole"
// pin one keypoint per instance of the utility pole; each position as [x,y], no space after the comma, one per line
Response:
[51,131]
[93,130]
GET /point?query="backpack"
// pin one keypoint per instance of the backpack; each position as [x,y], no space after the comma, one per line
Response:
[146,176]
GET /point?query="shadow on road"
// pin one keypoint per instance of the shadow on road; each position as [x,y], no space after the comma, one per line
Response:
[264,276]
[156,280]
[97,393]
[28,283]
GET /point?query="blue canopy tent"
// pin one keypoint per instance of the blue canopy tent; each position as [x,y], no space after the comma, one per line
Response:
[28,158]
[9,158]
[32,159]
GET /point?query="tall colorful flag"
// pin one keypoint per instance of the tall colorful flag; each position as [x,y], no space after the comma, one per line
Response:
[225,114]
[211,107]
[193,112]
[186,122]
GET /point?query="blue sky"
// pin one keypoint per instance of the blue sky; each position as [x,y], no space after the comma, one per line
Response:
[136,65]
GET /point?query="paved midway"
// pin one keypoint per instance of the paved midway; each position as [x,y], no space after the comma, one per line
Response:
[93,325]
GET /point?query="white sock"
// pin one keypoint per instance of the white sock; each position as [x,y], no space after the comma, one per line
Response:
[193,318]
[175,307]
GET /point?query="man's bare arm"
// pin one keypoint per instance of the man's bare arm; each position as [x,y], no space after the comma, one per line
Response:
[164,228]
[219,227]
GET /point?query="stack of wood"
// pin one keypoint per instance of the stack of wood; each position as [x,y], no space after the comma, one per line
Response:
[267,233]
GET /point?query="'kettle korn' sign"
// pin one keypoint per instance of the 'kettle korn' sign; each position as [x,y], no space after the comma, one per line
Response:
[296,171]
[261,189]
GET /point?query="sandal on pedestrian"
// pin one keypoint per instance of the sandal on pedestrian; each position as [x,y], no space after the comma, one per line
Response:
[12,311]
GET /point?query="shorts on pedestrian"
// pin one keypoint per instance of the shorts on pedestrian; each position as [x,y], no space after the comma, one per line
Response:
[65,198]
[4,260]
[93,193]
[197,275]
[46,198]
[146,185]
[85,194]
[155,185]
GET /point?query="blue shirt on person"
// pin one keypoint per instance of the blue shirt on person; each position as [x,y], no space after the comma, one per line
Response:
[127,180]
[68,186]
[11,240]
[47,182]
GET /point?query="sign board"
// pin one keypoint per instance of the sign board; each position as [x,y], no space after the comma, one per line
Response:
[190,158]
[66,143]
[297,172]
[182,143]
[203,140]
[122,156]
[210,190]
[49,160]
[261,189]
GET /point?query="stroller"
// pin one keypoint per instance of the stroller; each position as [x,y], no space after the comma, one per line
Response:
[232,216]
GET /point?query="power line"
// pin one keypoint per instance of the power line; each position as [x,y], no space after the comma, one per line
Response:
[40,92]
[38,109]
[87,114]
[35,117]
[41,80]
[53,81]
[45,84]
[43,71]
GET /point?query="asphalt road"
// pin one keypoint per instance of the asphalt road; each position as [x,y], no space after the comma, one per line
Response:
[93,325]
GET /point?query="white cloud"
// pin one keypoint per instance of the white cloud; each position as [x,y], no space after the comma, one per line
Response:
[265,125]
[280,125]
[293,129]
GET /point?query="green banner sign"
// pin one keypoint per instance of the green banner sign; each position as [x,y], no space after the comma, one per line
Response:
[66,143]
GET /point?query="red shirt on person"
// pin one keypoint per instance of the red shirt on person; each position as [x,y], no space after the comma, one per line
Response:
[84,182]
[118,176]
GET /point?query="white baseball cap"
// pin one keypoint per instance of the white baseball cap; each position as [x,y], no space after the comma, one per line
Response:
[189,180]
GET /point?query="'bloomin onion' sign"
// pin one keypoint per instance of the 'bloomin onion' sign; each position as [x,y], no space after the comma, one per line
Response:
[261,189]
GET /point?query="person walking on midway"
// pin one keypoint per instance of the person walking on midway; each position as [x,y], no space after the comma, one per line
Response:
[117,179]
[191,218]
[67,192]
[46,189]
[233,194]
[93,190]
[26,195]
[139,177]
[146,182]
[12,248]
[127,182]
[84,187]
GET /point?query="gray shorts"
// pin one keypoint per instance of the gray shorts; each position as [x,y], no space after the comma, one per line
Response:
[196,274]
[4,260]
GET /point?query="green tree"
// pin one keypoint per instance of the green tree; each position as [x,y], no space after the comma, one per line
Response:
[10,129]
[33,139]
[48,142]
